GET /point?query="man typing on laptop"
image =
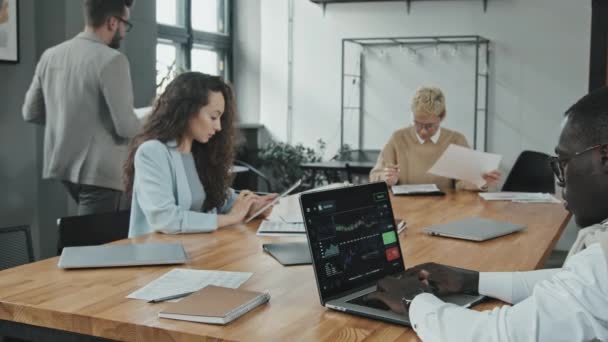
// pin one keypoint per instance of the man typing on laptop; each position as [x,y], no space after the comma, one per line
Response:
[567,304]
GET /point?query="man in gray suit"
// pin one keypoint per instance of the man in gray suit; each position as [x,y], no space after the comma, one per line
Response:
[82,94]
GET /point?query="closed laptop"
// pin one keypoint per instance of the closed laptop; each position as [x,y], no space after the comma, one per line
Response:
[475,229]
[123,255]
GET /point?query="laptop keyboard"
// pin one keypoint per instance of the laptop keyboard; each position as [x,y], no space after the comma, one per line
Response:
[374,303]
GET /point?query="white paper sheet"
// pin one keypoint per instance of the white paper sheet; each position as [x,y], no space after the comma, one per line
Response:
[520,197]
[288,209]
[463,163]
[143,112]
[280,228]
[414,189]
[181,280]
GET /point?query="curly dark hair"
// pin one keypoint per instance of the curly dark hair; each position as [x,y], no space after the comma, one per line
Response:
[169,120]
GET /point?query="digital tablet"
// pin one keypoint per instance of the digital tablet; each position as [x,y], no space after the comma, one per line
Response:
[274,201]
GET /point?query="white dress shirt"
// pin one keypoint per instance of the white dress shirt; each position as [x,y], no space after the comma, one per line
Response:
[567,304]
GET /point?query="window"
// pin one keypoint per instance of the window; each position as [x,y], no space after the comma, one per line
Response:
[192,35]
[166,57]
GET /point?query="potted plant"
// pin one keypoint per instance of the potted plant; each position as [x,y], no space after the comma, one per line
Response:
[282,161]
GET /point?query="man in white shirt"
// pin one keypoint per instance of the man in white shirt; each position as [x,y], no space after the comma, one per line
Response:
[567,304]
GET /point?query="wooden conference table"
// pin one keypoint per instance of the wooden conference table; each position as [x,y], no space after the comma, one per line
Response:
[92,302]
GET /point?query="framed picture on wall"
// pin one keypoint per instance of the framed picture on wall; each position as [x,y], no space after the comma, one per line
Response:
[9,31]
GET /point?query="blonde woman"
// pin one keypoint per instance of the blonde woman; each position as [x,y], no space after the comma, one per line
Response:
[411,151]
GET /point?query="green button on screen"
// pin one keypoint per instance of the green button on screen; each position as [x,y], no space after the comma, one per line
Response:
[389,237]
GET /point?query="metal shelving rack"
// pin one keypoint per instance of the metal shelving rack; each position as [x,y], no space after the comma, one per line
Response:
[482,64]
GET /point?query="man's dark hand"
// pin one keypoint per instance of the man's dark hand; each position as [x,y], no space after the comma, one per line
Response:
[392,291]
[445,280]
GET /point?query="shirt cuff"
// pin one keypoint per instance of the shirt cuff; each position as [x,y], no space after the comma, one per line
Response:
[496,285]
[423,314]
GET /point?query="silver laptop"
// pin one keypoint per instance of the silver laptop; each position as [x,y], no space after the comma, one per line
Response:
[475,229]
[354,243]
[123,255]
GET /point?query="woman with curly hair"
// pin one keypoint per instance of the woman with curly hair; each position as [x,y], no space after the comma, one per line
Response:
[179,167]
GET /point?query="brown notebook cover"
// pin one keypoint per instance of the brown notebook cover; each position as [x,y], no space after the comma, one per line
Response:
[214,304]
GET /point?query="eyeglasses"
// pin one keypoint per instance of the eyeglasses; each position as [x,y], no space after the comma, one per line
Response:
[126,22]
[558,165]
[427,126]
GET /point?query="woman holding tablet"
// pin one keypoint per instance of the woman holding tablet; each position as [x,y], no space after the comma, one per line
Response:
[179,167]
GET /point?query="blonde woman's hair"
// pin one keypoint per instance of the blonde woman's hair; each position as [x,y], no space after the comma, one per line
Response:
[428,100]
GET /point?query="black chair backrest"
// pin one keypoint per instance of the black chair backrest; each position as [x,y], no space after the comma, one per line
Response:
[531,173]
[95,229]
[15,246]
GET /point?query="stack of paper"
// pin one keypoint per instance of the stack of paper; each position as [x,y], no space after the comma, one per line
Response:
[288,209]
[520,197]
[279,228]
[407,189]
[180,280]
[463,163]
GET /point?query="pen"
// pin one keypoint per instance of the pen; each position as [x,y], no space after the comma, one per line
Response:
[175,296]
[401,227]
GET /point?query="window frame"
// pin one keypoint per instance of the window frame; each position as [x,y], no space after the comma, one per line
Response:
[186,38]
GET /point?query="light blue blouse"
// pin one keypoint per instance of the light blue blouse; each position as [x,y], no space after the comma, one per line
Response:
[162,196]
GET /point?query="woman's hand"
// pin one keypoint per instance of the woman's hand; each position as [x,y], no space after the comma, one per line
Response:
[492,178]
[260,202]
[390,174]
[240,208]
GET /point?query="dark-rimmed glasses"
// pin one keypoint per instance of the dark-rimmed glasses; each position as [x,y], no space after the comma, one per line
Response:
[427,126]
[127,23]
[558,165]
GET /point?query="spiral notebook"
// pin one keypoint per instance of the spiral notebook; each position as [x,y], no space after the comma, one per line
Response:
[215,305]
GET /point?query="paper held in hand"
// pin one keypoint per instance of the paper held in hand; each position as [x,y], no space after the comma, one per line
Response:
[463,163]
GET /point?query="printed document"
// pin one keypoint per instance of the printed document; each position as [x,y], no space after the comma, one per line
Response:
[463,163]
[182,280]
[520,197]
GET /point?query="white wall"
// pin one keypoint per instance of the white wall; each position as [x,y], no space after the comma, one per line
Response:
[539,66]
[273,67]
[390,78]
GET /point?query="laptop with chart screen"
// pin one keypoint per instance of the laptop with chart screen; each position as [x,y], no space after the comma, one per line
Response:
[354,243]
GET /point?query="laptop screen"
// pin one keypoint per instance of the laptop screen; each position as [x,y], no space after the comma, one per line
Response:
[352,235]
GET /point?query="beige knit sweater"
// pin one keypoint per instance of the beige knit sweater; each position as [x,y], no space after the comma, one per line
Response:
[415,159]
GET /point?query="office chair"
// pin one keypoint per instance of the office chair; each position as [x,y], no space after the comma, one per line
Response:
[531,173]
[257,172]
[95,229]
[15,246]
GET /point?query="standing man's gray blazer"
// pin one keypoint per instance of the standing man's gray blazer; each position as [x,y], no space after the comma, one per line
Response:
[82,93]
